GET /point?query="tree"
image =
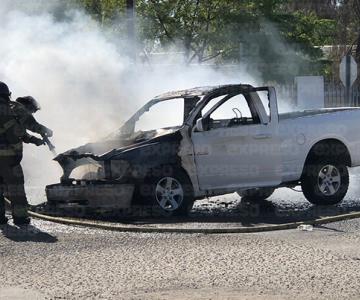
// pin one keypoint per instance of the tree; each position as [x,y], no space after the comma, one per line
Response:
[199,27]
[274,32]
[349,24]
[322,8]
[106,12]
[355,4]
[222,30]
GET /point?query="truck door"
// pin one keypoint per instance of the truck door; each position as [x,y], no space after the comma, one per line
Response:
[238,144]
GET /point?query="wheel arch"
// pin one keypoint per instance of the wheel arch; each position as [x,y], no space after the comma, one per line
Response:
[329,147]
[174,165]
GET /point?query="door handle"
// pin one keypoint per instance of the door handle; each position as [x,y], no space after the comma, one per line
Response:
[262,136]
[202,153]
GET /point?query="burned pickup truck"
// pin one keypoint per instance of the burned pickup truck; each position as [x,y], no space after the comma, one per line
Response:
[229,139]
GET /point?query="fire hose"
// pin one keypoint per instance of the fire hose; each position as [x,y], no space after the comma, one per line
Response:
[120,227]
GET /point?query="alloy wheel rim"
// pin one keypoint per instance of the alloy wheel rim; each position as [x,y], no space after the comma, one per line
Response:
[329,180]
[169,193]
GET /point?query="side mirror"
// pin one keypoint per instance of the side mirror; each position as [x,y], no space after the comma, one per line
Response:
[200,125]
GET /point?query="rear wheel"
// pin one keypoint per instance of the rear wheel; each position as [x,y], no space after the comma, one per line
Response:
[170,191]
[256,195]
[325,182]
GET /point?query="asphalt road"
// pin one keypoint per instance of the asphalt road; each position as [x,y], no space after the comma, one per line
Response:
[51,261]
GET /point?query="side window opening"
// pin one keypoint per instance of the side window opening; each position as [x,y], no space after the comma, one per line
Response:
[236,111]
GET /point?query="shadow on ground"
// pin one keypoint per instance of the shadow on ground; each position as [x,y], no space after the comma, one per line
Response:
[26,233]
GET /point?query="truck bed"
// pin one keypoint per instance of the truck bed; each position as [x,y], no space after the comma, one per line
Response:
[308,113]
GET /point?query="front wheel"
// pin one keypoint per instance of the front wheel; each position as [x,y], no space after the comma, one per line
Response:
[170,191]
[326,182]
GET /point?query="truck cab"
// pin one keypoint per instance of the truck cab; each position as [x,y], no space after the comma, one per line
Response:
[236,139]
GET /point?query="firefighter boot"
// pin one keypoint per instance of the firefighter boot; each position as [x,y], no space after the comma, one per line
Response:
[3,219]
[20,215]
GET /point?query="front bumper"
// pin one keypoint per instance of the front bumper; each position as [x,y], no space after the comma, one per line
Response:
[92,195]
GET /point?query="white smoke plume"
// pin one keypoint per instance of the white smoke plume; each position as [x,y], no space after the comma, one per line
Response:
[85,85]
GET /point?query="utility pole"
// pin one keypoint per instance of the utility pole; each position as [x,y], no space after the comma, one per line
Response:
[348,78]
[130,13]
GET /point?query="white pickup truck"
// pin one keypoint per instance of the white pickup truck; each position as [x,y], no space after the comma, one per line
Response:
[230,139]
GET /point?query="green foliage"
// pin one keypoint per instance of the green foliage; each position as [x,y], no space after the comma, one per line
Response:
[266,32]
[106,12]
[308,29]
[220,30]
[198,27]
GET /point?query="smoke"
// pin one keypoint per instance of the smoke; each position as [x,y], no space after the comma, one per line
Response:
[72,70]
[88,87]
[84,82]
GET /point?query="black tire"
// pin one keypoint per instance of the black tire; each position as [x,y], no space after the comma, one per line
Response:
[159,178]
[325,182]
[256,195]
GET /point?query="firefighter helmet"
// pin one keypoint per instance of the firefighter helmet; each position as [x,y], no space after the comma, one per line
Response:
[30,103]
[4,89]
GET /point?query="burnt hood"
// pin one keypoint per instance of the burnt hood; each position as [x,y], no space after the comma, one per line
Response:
[115,144]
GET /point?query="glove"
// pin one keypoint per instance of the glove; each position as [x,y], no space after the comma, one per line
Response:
[48,132]
[37,142]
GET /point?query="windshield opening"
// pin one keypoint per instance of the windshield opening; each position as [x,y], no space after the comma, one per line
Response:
[165,114]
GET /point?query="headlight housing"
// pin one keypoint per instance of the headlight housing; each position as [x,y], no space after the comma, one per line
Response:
[91,171]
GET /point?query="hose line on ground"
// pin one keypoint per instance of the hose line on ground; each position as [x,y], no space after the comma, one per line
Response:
[147,229]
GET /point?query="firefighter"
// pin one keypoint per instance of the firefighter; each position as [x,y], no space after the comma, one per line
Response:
[15,118]
[11,174]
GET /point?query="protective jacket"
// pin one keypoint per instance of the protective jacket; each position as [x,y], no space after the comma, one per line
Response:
[11,131]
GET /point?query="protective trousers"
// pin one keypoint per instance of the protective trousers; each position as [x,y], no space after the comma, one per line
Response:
[12,186]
